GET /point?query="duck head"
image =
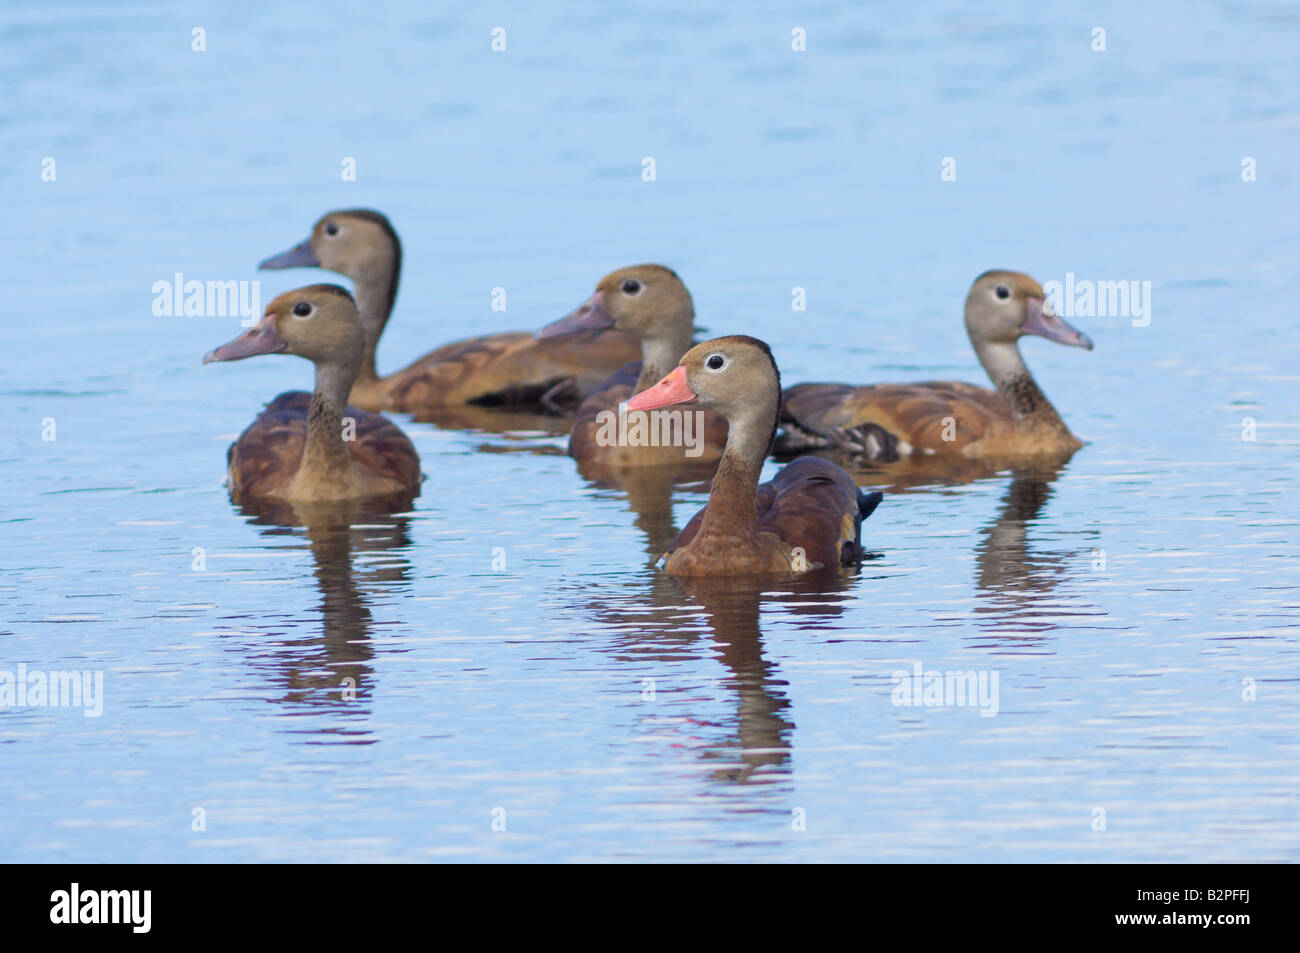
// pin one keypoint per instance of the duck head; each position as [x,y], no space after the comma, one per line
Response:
[352,242]
[318,322]
[649,301]
[735,375]
[1004,305]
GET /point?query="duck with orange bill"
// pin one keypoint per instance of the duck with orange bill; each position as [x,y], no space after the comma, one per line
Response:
[507,369]
[808,517]
[949,418]
[309,448]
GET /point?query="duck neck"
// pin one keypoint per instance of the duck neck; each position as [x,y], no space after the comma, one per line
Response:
[1006,369]
[660,354]
[326,452]
[730,513]
[376,290]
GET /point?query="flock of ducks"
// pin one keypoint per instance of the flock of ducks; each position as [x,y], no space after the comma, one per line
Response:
[629,347]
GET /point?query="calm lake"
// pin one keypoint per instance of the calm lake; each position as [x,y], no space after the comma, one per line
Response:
[499,673]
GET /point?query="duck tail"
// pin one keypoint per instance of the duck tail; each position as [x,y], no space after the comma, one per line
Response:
[867,502]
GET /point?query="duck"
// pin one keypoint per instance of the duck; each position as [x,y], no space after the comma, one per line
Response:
[315,448]
[651,303]
[807,518]
[512,369]
[949,418]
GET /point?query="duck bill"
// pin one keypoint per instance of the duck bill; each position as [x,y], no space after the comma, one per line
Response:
[263,339]
[588,316]
[673,389]
[1044,322]
[299,256]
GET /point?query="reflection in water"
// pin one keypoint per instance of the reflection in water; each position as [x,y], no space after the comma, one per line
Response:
[1017,586]
[495,420]
[1008,569]
[668,614]
[926,471]
[650,496]
[731,609]
[664,618]
[331,668]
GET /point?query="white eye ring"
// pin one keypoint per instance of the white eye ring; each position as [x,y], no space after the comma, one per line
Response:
[709,362]
[311,310]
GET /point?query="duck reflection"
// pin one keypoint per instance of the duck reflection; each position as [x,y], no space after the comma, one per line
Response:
[1021,586]
[649,494]
[918,472]
[668,616]
[1018,585]
[497,421]
[761,740]
[1007,566]
[333,667]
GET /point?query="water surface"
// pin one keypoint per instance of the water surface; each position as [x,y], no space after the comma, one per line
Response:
[390,686]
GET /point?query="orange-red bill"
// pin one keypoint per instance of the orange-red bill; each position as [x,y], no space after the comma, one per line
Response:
[673,389]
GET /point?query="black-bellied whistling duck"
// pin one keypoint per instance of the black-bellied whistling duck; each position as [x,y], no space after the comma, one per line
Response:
[308,448]
[808,517]
[511,369]
[885,421]
[650,302]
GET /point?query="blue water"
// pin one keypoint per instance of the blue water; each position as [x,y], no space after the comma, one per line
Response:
[1141,607]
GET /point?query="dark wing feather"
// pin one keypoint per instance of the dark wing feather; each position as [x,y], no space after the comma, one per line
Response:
[815,506]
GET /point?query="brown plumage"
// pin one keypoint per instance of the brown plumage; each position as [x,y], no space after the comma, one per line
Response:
[512,369]
[808,517]
[651,303]
[314,447]
[886,421]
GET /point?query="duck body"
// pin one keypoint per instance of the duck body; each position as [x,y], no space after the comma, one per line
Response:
[266,461]
[889,421]
[511,369]
[949,418]
[809,517]
[315,448]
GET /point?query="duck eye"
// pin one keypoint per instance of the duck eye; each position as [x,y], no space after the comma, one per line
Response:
[331,229]
[631,287]
[1002,292]
[715,362]
[302,309]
